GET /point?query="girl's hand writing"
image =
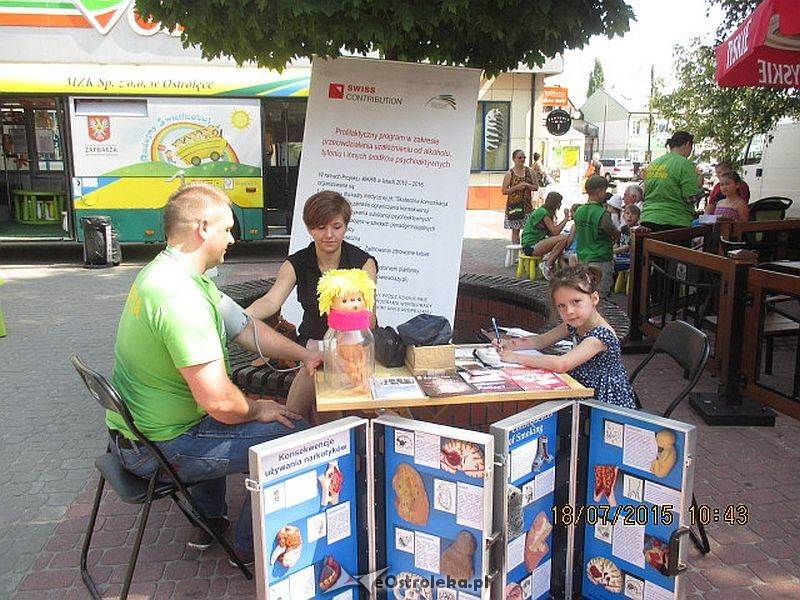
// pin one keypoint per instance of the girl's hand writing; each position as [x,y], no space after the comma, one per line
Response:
[505,344]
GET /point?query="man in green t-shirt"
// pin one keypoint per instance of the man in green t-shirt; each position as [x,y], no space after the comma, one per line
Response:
[171,365]
[596,233]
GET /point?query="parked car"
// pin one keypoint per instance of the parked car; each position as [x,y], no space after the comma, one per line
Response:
[617,168]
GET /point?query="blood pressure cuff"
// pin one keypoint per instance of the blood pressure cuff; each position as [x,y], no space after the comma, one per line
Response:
[233,316]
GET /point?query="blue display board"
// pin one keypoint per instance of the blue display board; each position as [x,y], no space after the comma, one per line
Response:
[438,503]
[531,500]
[632,506]
[310,494]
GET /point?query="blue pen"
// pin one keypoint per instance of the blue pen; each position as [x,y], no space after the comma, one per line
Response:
[496,330]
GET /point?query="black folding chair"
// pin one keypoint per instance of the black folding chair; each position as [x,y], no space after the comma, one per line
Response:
[137,490]
[689,347]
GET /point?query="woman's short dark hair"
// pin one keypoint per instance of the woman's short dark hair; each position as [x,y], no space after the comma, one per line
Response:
[536,156]
[679,138]
[323,207]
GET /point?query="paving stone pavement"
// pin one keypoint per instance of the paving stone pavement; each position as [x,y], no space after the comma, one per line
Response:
[52,431]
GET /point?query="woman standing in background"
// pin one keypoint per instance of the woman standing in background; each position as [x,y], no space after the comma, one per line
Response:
[672,186]
[518,185]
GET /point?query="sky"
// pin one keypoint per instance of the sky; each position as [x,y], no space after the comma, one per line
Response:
[659,25]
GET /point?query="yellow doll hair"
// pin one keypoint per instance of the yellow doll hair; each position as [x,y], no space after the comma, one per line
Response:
[341,282]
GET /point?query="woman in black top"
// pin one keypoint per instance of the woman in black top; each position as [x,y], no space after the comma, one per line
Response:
[326,215]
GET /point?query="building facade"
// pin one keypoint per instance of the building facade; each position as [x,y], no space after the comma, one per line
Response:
[624,128]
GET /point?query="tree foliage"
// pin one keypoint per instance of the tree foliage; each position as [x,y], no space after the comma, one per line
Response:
[721,119]
[735,13]
[494,35]
[597,80]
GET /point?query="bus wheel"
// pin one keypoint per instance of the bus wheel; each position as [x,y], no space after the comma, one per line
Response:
[214,156]
[196,161]
[236,230]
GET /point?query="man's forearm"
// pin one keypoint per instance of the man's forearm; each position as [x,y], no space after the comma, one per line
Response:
[270,342]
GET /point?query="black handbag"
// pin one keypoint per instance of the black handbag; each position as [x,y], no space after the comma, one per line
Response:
[390,350]
[425,330]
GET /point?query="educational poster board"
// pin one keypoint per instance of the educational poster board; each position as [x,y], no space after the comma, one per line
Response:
[636,492]
[395,139]
[310,513]
[434,488]
[532,485]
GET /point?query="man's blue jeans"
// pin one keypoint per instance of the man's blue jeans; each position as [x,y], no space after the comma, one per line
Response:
[207,453]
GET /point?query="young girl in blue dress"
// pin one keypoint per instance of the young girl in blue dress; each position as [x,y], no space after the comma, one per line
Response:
[595,359]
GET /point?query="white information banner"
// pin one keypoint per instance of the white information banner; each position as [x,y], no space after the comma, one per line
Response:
[395,139]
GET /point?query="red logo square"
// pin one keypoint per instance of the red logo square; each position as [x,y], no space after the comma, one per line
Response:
[336,90]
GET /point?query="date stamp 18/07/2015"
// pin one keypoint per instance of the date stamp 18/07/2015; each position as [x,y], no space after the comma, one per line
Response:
[641,514]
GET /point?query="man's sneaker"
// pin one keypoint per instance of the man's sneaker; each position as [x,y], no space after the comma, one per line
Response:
[248,557]
[200,539]
[547,270]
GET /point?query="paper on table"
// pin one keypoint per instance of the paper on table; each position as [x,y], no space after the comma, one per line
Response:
[516,332]
[527,351]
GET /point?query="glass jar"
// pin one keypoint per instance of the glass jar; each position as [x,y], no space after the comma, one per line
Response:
[349,359]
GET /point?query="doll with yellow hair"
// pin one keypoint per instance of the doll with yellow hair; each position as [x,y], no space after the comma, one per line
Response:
[347,296]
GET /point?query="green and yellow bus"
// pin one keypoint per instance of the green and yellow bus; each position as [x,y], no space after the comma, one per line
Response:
[82,138]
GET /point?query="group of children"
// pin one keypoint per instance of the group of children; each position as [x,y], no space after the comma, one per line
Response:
[600,234]
[597,245]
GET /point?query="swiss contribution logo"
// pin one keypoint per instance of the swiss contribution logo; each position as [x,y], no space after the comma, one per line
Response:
[336,91]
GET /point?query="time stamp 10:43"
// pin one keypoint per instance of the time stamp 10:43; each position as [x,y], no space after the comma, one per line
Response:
[639,514]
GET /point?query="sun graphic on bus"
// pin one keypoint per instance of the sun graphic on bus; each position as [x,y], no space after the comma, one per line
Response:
[240,119]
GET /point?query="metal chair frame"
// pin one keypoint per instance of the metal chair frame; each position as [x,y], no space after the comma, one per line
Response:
[689,347]
[134,489]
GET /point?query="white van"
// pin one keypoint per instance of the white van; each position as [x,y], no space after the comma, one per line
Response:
[770,168]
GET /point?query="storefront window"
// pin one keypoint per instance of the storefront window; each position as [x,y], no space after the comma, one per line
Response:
[490,139]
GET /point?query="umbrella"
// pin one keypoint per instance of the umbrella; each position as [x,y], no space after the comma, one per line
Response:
[764,50]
